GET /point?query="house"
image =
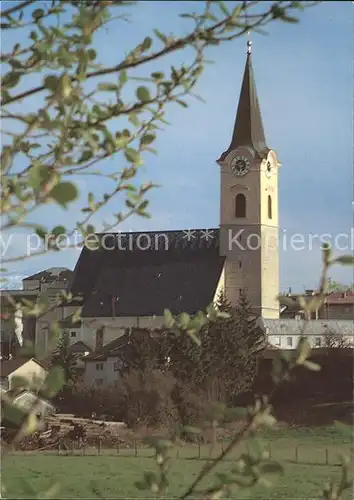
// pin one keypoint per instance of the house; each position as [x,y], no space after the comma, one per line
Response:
[26,399]
[43,285]
[102,368]
[30,369]
[336,306]
[286,333]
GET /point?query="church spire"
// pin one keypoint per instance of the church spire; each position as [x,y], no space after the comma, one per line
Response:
[248,128]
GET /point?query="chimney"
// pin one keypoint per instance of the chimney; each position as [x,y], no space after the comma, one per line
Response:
[99,339]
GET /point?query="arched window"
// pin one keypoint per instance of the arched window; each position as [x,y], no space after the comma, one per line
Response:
[269,207]
[240,205]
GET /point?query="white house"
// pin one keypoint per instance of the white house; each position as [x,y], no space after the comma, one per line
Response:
[286,333]
[103,368]
[29,369]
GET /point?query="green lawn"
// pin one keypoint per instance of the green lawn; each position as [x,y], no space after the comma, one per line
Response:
[112,476]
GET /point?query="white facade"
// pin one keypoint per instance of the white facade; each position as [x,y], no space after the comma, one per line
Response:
[102,373]
[286,333]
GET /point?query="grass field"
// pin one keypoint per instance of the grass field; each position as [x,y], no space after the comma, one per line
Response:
[109,475]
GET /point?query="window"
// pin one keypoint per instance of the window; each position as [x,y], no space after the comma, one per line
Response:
[318,342]
[239,264]
[277,341]
[240,205]
[99,381]
[99,366]
[72,334]
[269,207]
[116,366]
[289,341]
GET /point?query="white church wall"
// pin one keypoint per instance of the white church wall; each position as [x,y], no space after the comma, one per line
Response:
[115,327]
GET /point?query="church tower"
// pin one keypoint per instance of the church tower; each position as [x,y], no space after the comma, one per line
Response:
[249,207]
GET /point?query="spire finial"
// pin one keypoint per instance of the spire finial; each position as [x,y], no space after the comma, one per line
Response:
[249,45]
[249,41]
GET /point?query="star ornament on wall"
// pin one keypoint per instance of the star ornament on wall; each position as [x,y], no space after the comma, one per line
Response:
[207,234]
[189,234]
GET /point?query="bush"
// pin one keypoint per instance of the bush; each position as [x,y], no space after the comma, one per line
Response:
[146,399]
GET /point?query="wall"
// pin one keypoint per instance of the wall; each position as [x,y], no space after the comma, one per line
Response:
[103,371]
[29,370]
[288,341]
[115,327]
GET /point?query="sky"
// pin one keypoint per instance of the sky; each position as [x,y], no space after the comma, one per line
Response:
[304,79]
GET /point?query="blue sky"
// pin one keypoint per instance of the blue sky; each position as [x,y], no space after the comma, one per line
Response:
[304,81]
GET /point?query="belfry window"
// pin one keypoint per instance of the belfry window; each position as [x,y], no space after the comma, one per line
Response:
[269,207]
[240,205]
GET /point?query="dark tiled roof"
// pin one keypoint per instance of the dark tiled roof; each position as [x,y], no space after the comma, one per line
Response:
[68,321]
[109,349]
[248,128]
[79,347]
[51,274]
[175,273]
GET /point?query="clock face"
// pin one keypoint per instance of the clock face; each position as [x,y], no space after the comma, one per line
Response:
[240,165]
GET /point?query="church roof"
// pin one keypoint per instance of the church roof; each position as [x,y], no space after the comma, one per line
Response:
[248,127]
[179,270]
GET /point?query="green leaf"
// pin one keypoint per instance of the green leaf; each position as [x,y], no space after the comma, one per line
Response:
[41,233]
[223,8]
[147,43]
[290,19]
[133,118]
[109,87]
[310,365]
[345,260]
[123,77]
[160,36]
[54,382]
[58,230]
[37,14]
[86,155]
[168,319]
[51,82]
[92,54]
[63,193]
[37,175]
[303,350]
[132,155]
[143,94]
[194,337]
[182,103]
[147,139]
[157,75]
[11,79]
[184,320]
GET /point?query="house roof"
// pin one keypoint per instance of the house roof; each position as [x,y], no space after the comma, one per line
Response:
[68,321]
[51,274]
[8,366]
[173,273]
[109,349]
[79,347]
[248,127]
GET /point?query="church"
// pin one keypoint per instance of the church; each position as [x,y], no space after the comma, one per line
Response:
[135,276]
[132,278]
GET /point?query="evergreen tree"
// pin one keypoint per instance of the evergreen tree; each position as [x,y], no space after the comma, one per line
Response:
[230,348]
[64,357]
